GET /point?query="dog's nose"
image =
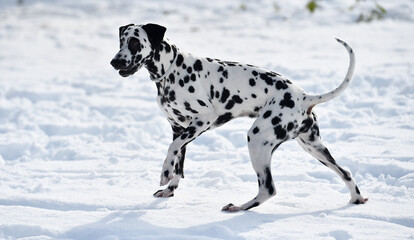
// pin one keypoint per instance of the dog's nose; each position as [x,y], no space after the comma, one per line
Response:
[118,63]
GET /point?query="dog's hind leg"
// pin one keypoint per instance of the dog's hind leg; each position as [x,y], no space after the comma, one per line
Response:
[262,141]
[311,142]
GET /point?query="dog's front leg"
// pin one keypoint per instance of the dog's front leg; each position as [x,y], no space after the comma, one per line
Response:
[179,166]
[177,175]
[197,126]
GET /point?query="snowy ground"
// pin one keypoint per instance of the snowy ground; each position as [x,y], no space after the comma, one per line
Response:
[81,148]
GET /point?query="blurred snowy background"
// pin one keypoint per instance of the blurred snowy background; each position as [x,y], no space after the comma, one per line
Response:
[81,148]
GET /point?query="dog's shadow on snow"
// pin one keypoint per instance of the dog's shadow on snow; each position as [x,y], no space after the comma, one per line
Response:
[131,224]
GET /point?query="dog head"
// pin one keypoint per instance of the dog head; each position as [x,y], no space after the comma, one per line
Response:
[137,44]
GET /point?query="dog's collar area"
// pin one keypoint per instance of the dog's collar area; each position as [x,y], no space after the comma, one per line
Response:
[168,70]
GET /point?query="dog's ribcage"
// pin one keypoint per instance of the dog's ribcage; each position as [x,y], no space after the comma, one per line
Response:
[202,85]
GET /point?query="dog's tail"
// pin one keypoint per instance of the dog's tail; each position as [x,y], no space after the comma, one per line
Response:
[312,100]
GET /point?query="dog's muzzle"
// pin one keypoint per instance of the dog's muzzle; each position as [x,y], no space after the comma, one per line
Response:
[124,70]
[118,63]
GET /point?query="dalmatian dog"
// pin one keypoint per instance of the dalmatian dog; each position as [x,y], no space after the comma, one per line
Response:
[199,94]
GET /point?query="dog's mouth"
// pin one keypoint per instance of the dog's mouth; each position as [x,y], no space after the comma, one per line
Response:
[128,71]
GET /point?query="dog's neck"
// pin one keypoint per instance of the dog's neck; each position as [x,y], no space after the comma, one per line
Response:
[161,60]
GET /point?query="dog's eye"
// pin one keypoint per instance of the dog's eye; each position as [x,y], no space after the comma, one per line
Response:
[134,45]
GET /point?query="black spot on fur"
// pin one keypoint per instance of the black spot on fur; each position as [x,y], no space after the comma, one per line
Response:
[306,124]
[229,105]
[184,136]
[177,113]
[269,181]
[290,126]
[191,89]
[151,67]
[256,130]
[268,80]
[180,60]
[347,177]
[172,96]
[252,82]
[237,99]
[172,188]
[254,96]
[255,204]
[203,104]
[224,95]
[171,78]
[281,85]
[357,190]
[314,133]
[328,156]
[191,130]
[136,33]
[188,108]
[186,79]
[280,132]
[167,48]
[138,58]
[198,66]
[254,73]
[276,120]
[181,118]
[223,119]
[267,114]
[225,74]
[157,56]
[287,101]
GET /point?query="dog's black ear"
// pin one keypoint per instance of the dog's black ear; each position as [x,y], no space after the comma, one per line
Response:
[123,28]
[155,34]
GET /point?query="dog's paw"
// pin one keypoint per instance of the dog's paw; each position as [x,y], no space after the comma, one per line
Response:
[164,193]
[231,208]
[358,201]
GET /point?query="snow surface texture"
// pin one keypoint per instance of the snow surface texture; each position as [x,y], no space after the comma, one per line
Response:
[81,149]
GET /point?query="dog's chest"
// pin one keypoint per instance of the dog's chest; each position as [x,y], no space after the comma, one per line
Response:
[182,104]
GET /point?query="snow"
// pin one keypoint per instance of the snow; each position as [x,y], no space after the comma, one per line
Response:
[81,148]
